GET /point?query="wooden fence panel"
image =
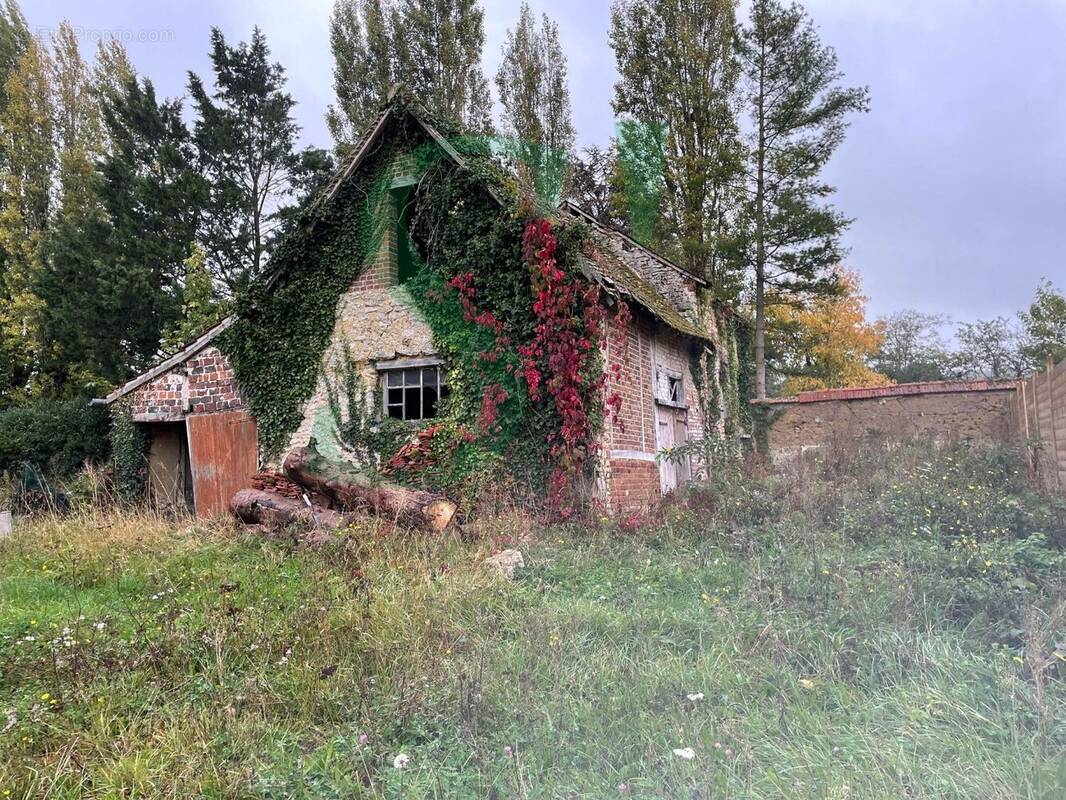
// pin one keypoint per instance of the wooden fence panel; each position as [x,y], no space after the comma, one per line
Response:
[1039,420]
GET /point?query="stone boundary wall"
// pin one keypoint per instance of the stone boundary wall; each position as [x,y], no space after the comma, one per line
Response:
[1038,417]
[937,411]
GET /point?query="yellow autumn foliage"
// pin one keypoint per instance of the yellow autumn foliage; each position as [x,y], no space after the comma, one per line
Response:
[832,340]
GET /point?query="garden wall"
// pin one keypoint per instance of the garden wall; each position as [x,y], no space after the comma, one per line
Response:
[1038,416]
[934,410]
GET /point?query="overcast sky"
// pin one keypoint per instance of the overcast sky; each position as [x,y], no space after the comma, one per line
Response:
[956,178]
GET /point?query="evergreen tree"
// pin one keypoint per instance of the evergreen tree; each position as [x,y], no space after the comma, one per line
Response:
[361,37]
[245,138]
[799,116]
[678,77]
[113,280]
[536,104]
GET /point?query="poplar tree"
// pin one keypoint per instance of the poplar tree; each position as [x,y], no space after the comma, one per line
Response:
[799,115]
[433,47]
[364,70]
[15,39]
[27,141]
[438,56]
[678,79]
[536,104]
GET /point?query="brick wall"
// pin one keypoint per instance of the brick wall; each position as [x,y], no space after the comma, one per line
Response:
[981,415]
[645,351]
[204,383]
[1038,417]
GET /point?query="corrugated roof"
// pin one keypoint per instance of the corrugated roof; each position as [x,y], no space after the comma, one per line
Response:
[896,390]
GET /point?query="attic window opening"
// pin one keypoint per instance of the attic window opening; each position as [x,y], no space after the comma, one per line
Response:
[403,198]
[670,389]
[413,393]
[673,389]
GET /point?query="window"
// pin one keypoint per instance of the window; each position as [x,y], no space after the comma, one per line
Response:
[670,388]
[674,388]
[413,393]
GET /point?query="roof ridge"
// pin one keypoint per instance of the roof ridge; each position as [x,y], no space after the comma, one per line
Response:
[613,231]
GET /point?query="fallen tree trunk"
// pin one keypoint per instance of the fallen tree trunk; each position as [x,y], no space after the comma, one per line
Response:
[275,510]
[354,490]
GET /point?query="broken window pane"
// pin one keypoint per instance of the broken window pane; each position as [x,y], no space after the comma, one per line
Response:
[413,394]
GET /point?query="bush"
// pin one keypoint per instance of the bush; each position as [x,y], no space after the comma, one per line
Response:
[55,436]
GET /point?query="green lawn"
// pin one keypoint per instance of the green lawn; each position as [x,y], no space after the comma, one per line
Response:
[877,628]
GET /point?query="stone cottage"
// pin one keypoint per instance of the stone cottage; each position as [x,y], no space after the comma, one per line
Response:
[211,426]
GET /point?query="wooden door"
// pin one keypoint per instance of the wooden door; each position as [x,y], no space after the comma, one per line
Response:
[224,450]
[671,431]
[664,440]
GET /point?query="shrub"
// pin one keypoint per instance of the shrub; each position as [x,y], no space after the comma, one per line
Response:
[55,436]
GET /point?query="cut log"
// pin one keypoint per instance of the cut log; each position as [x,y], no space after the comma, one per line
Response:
[355,490]
[276,510]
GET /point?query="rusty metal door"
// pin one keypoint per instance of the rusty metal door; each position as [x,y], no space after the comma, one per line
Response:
[224,449]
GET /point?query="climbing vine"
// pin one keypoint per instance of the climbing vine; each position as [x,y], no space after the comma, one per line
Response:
[516,323]
[129,446]
[560,362]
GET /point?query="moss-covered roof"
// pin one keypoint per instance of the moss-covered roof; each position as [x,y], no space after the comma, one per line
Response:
[615,261]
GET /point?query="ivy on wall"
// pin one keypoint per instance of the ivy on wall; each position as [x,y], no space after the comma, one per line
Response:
[284,323]
[514,319]
[129,450]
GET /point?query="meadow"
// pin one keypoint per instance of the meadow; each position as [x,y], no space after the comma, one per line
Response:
[882,624]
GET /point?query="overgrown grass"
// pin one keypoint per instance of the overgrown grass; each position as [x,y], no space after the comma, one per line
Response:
[812,632]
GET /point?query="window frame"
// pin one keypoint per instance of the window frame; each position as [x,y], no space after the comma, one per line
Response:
[401,367]
[663,388]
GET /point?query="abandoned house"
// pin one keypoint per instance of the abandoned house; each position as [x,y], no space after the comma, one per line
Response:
[424,319]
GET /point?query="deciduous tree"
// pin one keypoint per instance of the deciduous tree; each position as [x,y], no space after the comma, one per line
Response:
[1045,326]
[912,348]
[536,104]
[433,47]
[438,54]
[678,75]
[827,342]
[990,348]
[27,140]
[361,37]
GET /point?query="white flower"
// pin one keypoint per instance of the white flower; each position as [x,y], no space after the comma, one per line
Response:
[100,626]
[686,753]
[692,698]
[400,761]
